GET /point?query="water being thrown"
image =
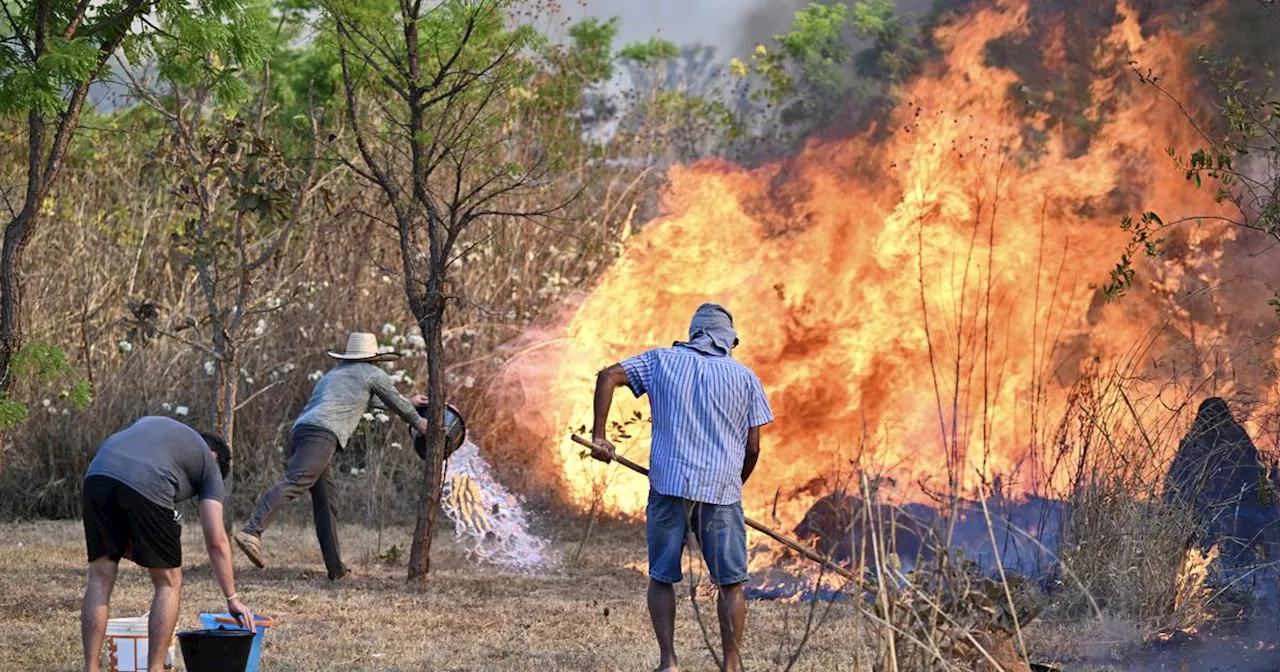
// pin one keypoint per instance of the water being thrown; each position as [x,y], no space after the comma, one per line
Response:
[488,518]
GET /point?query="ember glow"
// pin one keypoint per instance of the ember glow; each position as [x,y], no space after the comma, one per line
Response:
[924,289]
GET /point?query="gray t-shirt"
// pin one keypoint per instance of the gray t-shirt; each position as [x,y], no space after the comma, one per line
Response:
[344,394]
[164,460]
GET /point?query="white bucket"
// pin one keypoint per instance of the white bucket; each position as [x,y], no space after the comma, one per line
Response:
[127,645]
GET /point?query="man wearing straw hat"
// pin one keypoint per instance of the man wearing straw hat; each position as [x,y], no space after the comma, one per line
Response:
[707,410]
[331,415]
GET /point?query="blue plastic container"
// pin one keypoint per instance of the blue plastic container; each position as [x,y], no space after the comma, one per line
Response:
[260,625]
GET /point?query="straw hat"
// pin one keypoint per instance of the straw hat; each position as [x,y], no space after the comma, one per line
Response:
[360,347]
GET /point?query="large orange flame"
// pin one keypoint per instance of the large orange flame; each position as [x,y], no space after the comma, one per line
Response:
[918,296]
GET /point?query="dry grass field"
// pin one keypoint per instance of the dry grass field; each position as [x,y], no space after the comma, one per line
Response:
[468,617]
[588,616]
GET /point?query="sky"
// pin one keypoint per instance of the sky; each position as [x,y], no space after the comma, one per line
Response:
[734,27]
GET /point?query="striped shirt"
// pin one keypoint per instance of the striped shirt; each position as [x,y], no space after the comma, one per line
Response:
[702,406]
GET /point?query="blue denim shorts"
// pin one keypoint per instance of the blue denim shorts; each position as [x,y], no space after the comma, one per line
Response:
[720,529]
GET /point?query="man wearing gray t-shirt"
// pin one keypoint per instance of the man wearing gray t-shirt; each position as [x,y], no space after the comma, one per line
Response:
[131,492]
[327,422]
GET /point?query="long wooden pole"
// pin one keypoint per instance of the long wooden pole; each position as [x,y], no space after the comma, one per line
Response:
[794,545]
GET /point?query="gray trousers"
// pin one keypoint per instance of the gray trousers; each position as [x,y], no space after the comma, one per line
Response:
[311,449]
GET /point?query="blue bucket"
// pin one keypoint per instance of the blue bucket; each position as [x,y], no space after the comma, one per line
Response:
[260,625]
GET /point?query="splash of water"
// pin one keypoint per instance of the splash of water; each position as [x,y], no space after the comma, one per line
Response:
[488,518]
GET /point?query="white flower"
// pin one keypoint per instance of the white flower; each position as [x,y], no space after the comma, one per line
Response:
[167,406]
[181,410]
[46,403]
[273,302]
[125,347]
[208,368]
[260,328]
[315,375]
[396,445]
[386,279]
[417,341]
[65,411]
[388,329]
[469,381]
[382,417]
[368,416]
[397,339]
[355,471]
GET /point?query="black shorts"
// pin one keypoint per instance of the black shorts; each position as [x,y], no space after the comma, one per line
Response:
[120,523]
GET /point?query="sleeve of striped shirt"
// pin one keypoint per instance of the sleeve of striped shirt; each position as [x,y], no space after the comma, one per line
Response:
[760,413]
[639,372]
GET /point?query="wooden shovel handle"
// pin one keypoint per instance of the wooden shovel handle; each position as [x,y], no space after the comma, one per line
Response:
[776,536]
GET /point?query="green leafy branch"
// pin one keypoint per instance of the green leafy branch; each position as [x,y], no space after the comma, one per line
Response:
[44,365]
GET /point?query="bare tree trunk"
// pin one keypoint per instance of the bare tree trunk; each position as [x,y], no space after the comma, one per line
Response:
[16,236]
[433,468]
[225,421]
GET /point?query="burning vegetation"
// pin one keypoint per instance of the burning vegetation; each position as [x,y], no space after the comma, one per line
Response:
[926,303]
[923,299]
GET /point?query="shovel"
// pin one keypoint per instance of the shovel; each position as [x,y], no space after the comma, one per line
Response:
[776,536]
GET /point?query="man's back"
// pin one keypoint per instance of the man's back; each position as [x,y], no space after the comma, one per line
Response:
[702,407]
[342,396]
[162,459]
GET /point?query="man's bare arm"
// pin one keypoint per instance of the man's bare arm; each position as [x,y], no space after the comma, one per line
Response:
[607,381]
[219,548]
[753,453]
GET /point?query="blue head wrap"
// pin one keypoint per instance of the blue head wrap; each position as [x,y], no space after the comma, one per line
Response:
[711,331]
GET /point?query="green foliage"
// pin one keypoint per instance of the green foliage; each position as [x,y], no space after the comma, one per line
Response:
[12,413]
[808,65]
[895,54]
[593,48]
[40,85]
[215,39]
[817,46]
[42,364]
[569,72]
[209,45]
[1142,241]
[43,361]
[650,52]
[810,71]
[80,394]
[1247,129]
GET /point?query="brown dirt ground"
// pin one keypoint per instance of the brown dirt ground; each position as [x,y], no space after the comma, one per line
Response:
[469,616]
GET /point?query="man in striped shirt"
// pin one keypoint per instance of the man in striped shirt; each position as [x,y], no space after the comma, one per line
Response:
[707,409]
